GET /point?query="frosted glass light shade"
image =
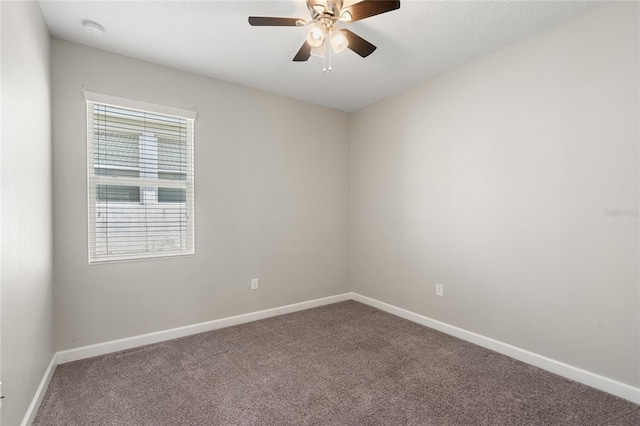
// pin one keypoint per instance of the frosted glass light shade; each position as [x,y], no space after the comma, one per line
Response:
[339,41]
[346,16]
[318,51]
[315,36]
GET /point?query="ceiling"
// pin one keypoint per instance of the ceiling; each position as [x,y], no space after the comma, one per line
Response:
[213,38]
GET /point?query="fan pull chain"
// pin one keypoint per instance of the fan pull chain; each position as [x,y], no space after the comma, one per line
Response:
[324,57]
[329,49]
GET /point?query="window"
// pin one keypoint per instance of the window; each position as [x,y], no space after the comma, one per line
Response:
[140,179]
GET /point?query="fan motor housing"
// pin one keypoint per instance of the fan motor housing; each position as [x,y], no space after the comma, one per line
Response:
[322,8]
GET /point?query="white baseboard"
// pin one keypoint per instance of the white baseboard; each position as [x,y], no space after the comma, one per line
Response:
[579,375]
[161,336]
[588,378]
[30,416]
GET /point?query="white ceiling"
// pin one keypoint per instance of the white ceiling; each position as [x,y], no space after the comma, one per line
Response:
[213,38]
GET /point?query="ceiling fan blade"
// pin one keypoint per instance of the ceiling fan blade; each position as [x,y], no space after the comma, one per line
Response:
[359,45]
[266,21]
[304,53]
[368,8]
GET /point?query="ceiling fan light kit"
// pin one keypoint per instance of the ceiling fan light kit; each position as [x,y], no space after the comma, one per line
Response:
[315,36]
[339,41]
[323,36]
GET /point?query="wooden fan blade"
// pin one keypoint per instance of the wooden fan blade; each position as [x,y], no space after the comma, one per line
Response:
[304,53]
[265,21]
[368,8]
[359,45]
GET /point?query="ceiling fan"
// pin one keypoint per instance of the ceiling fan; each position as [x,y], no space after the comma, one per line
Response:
[324,36]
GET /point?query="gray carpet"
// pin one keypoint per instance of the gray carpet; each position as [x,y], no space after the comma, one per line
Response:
[342,364]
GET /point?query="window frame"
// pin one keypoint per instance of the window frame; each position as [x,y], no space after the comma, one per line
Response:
[92,98]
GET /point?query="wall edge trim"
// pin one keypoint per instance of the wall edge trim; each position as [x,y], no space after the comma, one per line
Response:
[576,374]
[571,372]
[30,415]
[104,348]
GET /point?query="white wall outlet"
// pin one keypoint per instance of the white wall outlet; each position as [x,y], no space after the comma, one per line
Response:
[254,284]
[439,290]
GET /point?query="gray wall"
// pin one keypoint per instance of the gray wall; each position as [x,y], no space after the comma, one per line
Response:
[508,180]
[272,202]
[25,237]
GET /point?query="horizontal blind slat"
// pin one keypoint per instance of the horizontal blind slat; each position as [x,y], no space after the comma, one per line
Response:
[140,179]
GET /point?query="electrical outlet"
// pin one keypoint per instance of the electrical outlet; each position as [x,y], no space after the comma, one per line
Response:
[439,290]
[254,284]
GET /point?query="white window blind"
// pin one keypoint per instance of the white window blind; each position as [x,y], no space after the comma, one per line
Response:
[140,180]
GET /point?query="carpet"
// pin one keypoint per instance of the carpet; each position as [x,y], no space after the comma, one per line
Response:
[341,364]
